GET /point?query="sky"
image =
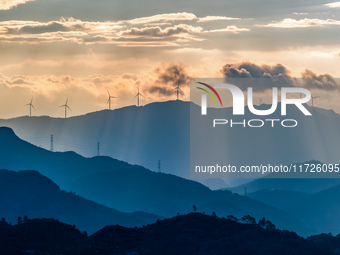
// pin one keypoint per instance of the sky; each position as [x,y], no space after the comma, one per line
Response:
[81,50]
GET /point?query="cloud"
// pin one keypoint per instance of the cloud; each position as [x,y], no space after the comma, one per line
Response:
[276,75]
[129,76]
[37,39]
[300,13]
[84,32]
[62,25]
[50,91]
[39,29]
[159,32]
[18,81]
[131,41]
[157,24]
[168,77]
[333,5]
[163,17]
[232,29]
[215,18]
[122,33]
[325,54]
[293,23]
[9,4]
[323,81]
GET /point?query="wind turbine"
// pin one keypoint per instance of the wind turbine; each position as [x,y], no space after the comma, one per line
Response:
[138,94]
[31,105]
[66,106]
[313,100]
[109,101]
[260,100]
[178,90]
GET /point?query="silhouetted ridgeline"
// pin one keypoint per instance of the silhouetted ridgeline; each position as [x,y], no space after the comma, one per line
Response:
[161,130]
[131,188]
[32,194]
[290,184]
[194,233]
[315,202]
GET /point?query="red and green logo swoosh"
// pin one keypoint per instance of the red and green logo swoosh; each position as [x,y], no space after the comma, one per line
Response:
[209,93]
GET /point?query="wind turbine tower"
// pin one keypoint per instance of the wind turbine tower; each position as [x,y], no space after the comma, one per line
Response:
[31,105]
[313,100]
[109,101]
[66,106]
[138,94]
[178,90]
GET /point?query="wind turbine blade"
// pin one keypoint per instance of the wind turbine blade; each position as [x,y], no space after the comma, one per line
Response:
[32,100]
[141,95]
[33,107]
[62,106]
[136,96]
[68,107]
[108,101]
[108,92]
[66,100]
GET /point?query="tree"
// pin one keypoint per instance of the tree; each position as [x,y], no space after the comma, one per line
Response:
[194,208]
[213,215]
[19,220]
[270,226]
[262,222]
[3,220]
[232,217]
[266,224]
[248,219]
[25,218]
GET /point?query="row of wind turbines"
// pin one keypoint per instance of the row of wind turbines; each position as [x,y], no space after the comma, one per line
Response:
[177,89]
[108,101]
[65,105]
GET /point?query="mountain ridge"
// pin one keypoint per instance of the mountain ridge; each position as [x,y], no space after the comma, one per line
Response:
[161,131]
[29,193]
[130,188]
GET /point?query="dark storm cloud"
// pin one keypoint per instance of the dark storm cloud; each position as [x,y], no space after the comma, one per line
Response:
[161,90]
[168,79]
[173,74]
[251,70]
[266,76]
[323,81]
